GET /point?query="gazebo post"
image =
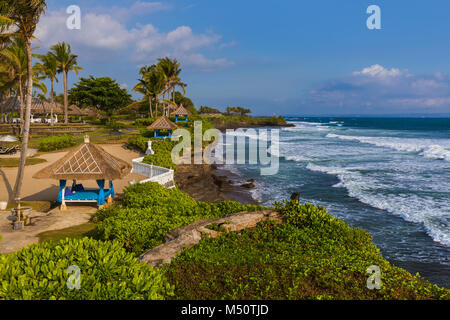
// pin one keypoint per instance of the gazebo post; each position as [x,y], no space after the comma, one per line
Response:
[62,190]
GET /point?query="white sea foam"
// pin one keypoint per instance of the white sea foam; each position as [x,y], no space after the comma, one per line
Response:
[424,147]
[430,212]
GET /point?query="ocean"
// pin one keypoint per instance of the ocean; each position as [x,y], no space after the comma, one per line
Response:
[390,176]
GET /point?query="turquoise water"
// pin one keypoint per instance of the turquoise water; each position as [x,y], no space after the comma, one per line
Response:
[389,176]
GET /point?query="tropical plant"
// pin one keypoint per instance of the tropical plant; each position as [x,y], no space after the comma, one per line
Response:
[171,71]
[106,272]
[151,85]
[103,93]
[18,19]
[66,62]
[13,58]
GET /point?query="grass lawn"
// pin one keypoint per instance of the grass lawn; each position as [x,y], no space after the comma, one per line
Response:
[75,232]
[14,162]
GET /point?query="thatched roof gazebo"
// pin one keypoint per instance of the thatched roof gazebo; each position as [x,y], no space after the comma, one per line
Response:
[162,123]
[74,110]
[181,111]
[38,106]
[86,162]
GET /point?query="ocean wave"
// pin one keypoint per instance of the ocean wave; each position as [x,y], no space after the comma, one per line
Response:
[424,147]
[411,207]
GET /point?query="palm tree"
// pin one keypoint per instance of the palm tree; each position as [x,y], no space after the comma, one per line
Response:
[66,62]
[151,85]
[15,57]
[18,19]
[49,69]
[171,71]
[14,73]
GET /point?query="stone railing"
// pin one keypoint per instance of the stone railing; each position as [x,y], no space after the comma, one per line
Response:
[163,176]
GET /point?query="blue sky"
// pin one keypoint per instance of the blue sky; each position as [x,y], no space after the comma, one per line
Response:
[275,57]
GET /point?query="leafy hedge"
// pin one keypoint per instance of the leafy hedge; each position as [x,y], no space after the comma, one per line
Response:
[143,122]
[311,256]
[163,154]
[56,143]
[149,211]
[138,142]
[107,272]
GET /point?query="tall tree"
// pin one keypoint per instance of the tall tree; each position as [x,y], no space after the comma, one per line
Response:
[151,85]
[49,69]
[66,61]
[171,71]
[103,93]
[18,18]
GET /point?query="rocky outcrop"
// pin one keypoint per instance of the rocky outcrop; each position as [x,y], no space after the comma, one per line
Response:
[182,238]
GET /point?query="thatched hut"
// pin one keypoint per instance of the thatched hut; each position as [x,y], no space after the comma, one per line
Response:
[38,106]
[183,112]
[74,110]
[162,123]
[86,162]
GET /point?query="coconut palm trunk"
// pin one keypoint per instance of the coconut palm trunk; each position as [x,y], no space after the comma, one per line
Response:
[66,100]
[26,130]
[150,102]
[21,106]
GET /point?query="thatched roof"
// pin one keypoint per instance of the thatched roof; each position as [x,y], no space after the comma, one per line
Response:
[38,106]
[162,123]
[86,162]
[73,110]
[181,111]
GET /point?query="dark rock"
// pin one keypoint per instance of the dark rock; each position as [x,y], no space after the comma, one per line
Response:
[249,185]
[295,196]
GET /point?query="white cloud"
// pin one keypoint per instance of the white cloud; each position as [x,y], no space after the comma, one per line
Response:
[102,35]
[379,71]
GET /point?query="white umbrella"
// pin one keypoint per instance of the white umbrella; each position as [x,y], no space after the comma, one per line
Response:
[8,139]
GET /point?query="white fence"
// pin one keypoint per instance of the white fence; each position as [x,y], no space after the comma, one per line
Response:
[154,173]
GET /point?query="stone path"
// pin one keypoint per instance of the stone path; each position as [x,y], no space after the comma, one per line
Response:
[52,220]
[182,238]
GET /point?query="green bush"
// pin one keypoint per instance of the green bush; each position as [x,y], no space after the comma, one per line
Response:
[56,143]
[311,256]
[163,154]
[149,211]
[108,272]
[138,142]
[143,122]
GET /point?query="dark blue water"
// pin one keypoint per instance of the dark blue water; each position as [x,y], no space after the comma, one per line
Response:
[389,176]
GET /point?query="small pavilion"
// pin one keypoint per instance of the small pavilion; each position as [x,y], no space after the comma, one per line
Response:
[86,162]
[162,123]
[183,112]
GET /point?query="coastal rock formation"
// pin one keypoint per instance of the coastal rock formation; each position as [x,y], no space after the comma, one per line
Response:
[182,238]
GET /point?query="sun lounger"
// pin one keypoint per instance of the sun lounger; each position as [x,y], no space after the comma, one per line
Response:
[11,150]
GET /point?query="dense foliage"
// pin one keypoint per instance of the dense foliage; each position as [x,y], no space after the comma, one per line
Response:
[206,109]
[163,154]
[103,93]
[107,272]
[56,143]
[311,256]
[149,211]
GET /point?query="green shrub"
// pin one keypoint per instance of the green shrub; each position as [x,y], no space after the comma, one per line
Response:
[311,256]
[144,122]
[56,143]
[162,156]
[107,272]
[138,142]
[149,211]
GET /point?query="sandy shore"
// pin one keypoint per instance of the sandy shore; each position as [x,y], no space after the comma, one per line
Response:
[47,190]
